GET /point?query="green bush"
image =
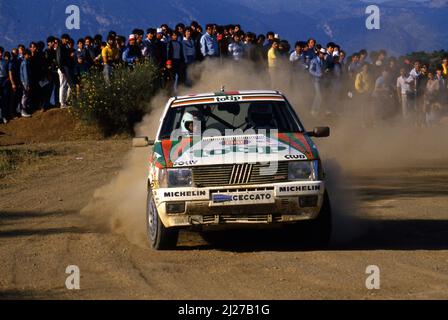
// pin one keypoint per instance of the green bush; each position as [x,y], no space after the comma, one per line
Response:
[116,107]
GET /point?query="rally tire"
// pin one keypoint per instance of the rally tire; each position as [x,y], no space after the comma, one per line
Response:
[160,238]
[316,233]
[319,230]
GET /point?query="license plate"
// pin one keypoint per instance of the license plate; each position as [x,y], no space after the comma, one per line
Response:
[242,198]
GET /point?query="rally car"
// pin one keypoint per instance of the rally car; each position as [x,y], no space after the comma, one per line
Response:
[231,158]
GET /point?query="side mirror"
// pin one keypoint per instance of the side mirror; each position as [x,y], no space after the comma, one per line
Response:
[320,132]
[142,142]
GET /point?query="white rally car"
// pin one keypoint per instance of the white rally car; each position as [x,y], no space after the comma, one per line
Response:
[234,158]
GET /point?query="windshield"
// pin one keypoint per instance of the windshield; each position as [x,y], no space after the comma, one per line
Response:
[218,119]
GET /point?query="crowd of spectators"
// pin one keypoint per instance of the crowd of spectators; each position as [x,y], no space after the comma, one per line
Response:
[43,76]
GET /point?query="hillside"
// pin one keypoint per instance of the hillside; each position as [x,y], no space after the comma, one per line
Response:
[406,25]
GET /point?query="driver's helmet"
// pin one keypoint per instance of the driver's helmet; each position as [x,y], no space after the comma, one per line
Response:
[260,116]
[190,122]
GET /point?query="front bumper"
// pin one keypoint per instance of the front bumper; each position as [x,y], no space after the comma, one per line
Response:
[250,204]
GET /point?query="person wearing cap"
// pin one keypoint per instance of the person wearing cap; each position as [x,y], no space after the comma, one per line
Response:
[160,49]
[132,53]
[317,70]
[169,79]
[148,49]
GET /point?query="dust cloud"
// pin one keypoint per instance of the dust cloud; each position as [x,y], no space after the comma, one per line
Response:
[120,206]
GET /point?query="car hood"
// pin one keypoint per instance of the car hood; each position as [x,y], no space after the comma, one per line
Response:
[190,152]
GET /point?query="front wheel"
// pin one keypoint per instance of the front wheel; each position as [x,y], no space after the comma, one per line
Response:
[315,233]
[319,230]
[160,238]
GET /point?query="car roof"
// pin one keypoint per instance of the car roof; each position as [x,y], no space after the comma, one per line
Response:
[227,93]
[227,96]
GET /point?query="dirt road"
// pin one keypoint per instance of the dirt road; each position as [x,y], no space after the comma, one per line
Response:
[402,228]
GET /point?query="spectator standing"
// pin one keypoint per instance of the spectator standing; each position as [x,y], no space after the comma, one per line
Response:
[317,70]
[309,51]
[25,80]
[80,61]
[64,71]
[175,54]
[16,85]
[169,79]
[4,79]
[432,105]
[37,77]
[160,49]
[363,87]
[297,58]
[189,47]
[443,95]
[249,47]
[417,80]
[273,62]
[89,53]
[110,56]
[403,92]
[149,45]
[382,93]
[445,66]
[51,72]
[270,37]
[132,54]
[235,48]
[209,43]
[261,58]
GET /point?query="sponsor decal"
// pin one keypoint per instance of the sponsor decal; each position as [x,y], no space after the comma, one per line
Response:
[292,189]
[220,198]
[185,163]
[228,99]
[179,194]
[239,149]
[235,142]
[295,157]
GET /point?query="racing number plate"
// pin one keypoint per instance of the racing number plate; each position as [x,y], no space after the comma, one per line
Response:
[242,198]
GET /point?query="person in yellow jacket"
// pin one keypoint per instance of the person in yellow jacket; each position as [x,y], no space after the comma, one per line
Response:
[445,66]
[110,55]
[363,80]
[273,56]
[363,87]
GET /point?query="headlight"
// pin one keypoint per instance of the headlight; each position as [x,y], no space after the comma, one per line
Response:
[302,170]
[175,178]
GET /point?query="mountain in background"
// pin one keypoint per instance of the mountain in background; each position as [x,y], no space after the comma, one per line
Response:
[405,25]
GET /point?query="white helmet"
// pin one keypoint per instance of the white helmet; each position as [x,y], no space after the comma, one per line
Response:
[188,119]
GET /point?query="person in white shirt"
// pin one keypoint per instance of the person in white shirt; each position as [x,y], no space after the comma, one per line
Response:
[235,48]
[403,90]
